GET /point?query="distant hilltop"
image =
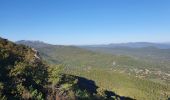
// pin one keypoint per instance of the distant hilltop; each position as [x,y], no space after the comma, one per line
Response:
[134,45]
[33,43]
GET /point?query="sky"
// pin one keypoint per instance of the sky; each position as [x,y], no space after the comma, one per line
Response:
[85,21]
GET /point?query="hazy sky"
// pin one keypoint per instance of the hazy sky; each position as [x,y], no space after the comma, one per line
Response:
[85,21]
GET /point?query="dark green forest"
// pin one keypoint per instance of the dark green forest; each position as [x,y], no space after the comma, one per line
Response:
[125,75]
[25,76]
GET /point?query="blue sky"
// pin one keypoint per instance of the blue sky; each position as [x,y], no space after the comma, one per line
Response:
[85,21]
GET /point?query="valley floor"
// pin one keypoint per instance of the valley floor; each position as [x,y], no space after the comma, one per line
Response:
[125,85]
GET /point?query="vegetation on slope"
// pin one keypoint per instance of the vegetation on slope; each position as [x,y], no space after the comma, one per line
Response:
[111,72]
[74,57]
[124,84]
[23,75]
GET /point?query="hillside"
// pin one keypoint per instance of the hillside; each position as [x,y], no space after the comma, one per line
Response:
[152,53]
[21,72]
[98,66]
[24,76]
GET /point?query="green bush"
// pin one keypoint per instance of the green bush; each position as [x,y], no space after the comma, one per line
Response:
[35,94]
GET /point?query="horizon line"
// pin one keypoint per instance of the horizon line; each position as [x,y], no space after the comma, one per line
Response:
[74,44]
[94,43]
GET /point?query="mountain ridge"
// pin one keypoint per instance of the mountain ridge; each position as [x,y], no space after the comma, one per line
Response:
[133,45]
[165,45]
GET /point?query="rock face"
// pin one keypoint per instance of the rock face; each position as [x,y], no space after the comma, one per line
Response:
[36,55]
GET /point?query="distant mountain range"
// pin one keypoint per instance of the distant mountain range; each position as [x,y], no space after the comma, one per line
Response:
[148,51]
[156,51]
[134,45]
[112,45]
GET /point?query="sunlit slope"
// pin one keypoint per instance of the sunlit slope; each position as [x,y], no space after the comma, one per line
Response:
[110,71]
[78,57]
[126,85]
